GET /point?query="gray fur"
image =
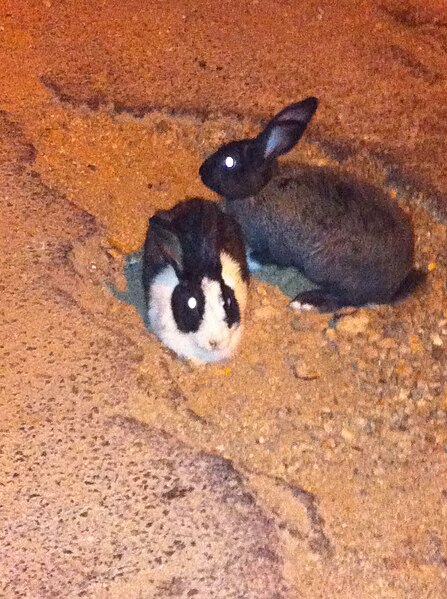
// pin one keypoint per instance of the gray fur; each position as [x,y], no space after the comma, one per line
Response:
[343,234]
[352,241]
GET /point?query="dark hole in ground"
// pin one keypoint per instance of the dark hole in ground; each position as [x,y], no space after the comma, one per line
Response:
[289,280]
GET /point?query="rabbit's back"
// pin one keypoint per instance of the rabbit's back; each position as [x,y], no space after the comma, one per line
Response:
[340,232]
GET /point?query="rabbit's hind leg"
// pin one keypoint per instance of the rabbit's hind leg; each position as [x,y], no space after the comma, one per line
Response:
[318,300]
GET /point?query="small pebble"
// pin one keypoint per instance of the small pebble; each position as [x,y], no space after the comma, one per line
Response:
[347,434]
[416,344]
[115,254]
[302,371]
[436,340]
[330,443]
[388,343]
[327,412]
[374,337]
[404,394]
[353,324]
[361,365]
[265,312]
[328,427]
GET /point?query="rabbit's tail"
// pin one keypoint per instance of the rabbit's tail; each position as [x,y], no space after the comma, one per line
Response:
[412,281]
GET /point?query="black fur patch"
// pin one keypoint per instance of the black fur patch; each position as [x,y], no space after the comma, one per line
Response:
[247,176]
[231,305]
[203,232]
[188,319]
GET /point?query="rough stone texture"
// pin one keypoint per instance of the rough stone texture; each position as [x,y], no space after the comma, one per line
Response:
[312,465]
[94,504]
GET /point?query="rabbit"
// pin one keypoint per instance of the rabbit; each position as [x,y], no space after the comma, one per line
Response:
[344,235]
[195,279]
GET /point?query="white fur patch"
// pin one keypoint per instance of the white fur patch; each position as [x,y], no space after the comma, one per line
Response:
[298,306]
[214,340]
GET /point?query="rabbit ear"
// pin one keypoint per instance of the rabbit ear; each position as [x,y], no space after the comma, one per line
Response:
[286,128]
[167,241]
[301,112]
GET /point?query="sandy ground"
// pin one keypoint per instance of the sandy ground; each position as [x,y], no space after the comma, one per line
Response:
[312,465]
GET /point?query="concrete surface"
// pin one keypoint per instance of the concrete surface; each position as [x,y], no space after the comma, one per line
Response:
[312,465]
[94,503]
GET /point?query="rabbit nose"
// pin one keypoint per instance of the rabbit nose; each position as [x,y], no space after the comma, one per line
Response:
[213,343]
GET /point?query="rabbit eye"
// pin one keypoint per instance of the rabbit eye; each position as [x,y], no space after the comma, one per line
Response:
[192,303]
[226,299]
[230,162]
[188,306]
[230,306]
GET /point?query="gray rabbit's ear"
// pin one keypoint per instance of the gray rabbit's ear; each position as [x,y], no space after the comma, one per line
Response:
[167,241]
[286,128]
[300,112]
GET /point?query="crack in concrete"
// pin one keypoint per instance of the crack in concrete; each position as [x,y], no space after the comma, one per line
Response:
[99,102]
[338,150]
[319,542]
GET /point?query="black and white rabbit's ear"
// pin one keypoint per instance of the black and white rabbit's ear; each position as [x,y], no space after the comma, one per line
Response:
[167,241]
[286,128]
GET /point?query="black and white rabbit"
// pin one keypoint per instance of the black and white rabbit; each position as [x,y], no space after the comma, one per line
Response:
[195,279]
[344,235]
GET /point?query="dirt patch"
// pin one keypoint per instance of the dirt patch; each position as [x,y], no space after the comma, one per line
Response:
[328,435]
[341,413]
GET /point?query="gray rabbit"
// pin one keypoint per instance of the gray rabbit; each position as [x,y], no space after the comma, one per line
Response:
[344,235]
